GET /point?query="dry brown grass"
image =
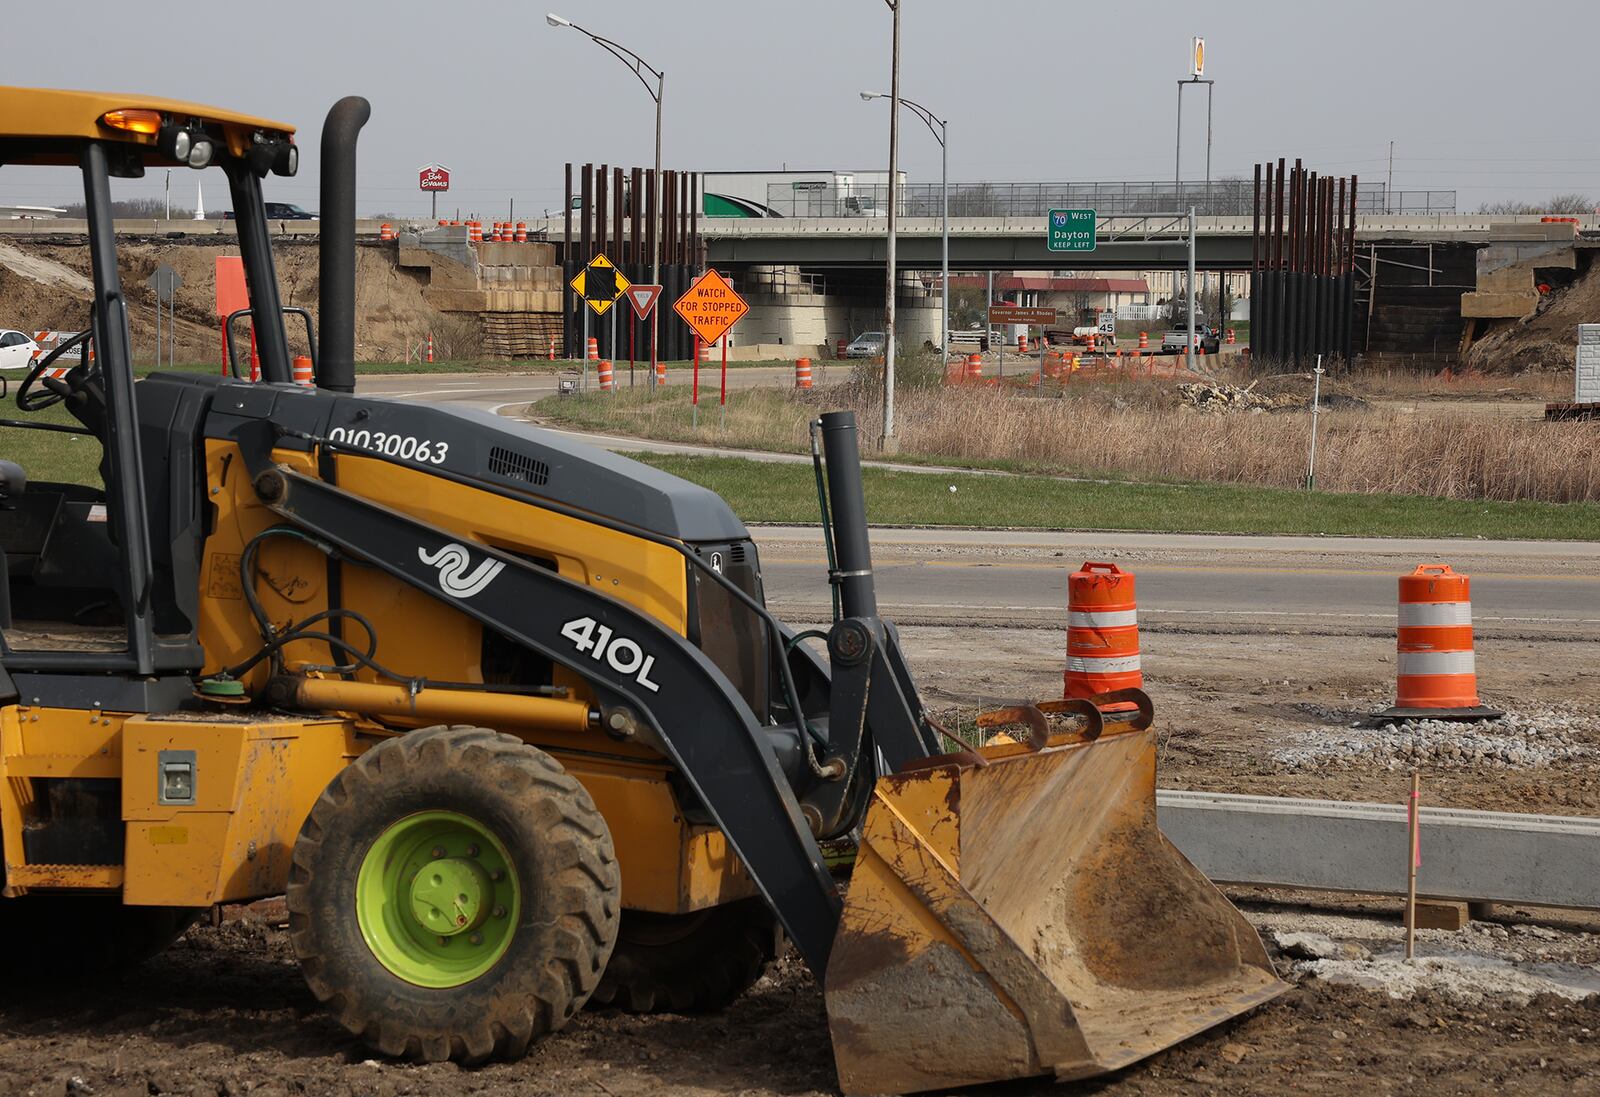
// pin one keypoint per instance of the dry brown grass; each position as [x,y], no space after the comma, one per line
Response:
[1132,431]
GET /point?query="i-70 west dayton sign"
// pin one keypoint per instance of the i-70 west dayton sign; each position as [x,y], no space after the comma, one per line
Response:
[1070,230]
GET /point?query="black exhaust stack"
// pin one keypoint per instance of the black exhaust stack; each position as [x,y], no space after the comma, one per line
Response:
[336,357]
[853,572]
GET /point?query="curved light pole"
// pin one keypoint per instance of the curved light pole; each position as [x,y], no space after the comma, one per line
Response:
[941,135]
[639,66]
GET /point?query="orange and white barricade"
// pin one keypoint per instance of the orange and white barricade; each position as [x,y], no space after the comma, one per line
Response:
[802,373]
[661,373]
[1144,340]
[1436,675]
[521,234]
[302,370]
[386,231]
[974,367]
[474,232]
[594,349]
[1102,632]
[605,375]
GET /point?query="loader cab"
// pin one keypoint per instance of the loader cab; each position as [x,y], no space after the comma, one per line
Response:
[102,504]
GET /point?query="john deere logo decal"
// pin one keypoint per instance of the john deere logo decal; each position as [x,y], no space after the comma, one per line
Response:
[452,562]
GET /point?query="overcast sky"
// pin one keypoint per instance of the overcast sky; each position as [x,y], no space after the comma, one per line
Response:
[1494,101]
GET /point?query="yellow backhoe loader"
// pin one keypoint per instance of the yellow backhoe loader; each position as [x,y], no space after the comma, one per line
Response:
[506,719]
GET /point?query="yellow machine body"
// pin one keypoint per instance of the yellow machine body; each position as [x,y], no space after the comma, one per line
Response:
[258,779]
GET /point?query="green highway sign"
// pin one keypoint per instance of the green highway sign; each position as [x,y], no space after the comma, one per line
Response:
[1070,230]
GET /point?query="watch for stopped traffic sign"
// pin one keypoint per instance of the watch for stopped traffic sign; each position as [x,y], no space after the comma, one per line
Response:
[711,306]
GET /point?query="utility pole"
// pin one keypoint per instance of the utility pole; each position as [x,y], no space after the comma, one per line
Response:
[889,441]
[1389,185]
[940,128]
[1189,363]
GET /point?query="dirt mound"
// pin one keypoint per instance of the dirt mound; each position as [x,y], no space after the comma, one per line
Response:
[1546,340]
[38,291]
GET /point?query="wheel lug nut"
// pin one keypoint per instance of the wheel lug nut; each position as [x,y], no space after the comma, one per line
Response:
[499,912]
[496,875]
[472,851]
[475,939]
[444,940]
[438,851]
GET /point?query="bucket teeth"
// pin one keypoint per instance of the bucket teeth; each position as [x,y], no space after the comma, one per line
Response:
[1026,917]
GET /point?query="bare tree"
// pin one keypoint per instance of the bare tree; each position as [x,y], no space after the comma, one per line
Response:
[1572,202]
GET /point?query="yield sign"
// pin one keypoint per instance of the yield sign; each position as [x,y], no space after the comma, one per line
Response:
[711,306]
[643,299]
[599,284]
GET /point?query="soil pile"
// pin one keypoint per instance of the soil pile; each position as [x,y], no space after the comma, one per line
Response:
[1546,340]
[44,285]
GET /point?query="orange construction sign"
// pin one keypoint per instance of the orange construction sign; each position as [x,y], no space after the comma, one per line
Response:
[711,306]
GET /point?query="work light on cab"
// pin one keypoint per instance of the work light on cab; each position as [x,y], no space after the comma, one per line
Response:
[133,120]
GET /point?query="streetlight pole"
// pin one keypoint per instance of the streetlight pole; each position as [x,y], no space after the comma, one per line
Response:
[639,66]
[942,135]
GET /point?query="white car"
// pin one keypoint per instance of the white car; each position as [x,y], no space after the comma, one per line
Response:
[16,349]
[869,344]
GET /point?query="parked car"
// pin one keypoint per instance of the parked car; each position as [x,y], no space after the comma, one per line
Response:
[869,344]
[16,349]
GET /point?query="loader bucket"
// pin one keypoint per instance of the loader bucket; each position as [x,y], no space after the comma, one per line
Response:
[1016,912]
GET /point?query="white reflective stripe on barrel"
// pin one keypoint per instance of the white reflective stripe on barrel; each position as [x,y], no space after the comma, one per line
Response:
[1089,664]
[1117,618]
[1435,662]
[1423,614]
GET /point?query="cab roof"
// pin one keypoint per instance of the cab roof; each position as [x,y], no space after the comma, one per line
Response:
[32,115]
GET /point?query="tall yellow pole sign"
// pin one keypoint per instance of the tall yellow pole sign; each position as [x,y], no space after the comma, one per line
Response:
[1197,59]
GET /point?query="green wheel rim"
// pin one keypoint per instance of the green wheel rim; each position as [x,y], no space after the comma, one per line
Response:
[437,899]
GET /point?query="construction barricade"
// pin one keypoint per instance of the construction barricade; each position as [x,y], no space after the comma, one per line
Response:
[302,370]
[1435,670]
[1102,631]
[605,375]
[802,373]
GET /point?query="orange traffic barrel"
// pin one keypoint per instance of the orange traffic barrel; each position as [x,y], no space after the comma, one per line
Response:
[661,373]
[594,349]
[974,367]
[1022,343]
[708,352]
[1230,337]
[521,235]
[552,350]
[1102,631]
[386,231]
[605,375]
[838,348]
[1435,673]
[430,346]
[302,370]
[1144,340]
[802,373]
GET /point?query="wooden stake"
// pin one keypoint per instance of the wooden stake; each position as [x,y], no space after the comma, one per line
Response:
[1413,818]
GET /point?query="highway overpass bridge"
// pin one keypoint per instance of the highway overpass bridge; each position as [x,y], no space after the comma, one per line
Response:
[1143,242]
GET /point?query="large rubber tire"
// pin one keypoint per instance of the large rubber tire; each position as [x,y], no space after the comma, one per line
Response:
[688,963]
[72,937]
[560,856]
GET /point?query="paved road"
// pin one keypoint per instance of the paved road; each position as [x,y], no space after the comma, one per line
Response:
[1185,581]
[496,391]
[1194,582]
